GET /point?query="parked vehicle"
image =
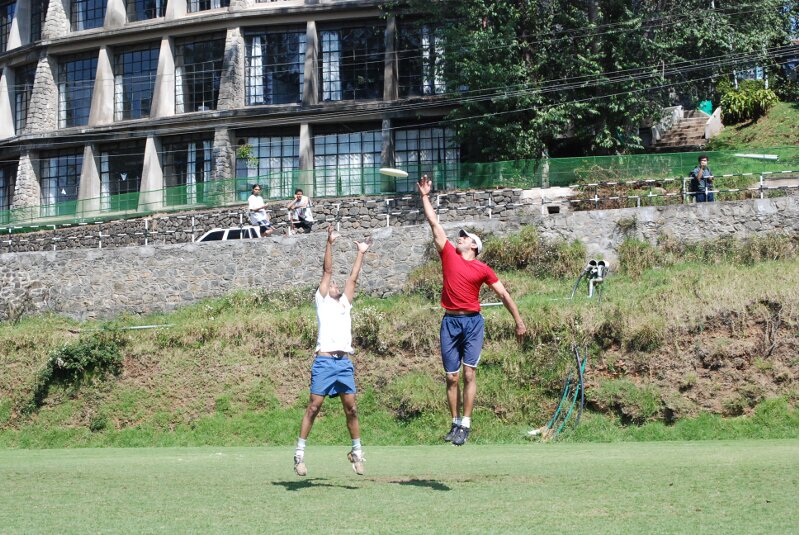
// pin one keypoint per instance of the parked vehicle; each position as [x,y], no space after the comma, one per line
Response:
[233,233]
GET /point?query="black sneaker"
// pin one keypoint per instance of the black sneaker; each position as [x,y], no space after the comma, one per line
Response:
[460,436]
[449,436]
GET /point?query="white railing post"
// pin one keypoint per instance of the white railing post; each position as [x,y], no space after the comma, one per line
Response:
[761,186]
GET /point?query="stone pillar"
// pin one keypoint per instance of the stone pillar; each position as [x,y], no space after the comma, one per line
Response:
[43,107]
[305,178]
[7,124]
[164,88]
[102,110]
[20,32]
[56,24]
[310,70]
[89,187]
[231,84]
[116,14]
[388,183]
[27,190]
[390,82]
[223,187]
[175,9]
[151,192]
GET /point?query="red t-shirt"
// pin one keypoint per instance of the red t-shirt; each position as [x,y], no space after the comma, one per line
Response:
[463,280]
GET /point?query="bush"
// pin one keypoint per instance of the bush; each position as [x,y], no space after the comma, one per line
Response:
[748,103]
[72,364]
[634,404]
[527,251]
[635,257]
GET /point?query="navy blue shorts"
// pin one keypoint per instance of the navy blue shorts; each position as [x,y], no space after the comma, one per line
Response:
[462,341]
[332,376]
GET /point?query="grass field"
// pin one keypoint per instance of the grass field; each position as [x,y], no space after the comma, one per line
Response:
[666,487]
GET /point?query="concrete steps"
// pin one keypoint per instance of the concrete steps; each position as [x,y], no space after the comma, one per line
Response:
[689,133]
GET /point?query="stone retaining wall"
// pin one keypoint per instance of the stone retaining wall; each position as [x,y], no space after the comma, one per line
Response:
[101,283]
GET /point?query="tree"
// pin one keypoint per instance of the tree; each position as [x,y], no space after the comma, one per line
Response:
[529,76]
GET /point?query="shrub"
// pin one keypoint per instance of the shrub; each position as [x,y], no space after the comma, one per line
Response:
[635,257]
[634,404]
[89,358]
[748,103]
[527,251]
[426,281]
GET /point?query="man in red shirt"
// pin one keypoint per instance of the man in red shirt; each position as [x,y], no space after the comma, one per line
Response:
[461,333]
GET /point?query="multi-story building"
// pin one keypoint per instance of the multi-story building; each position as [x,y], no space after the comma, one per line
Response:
[129,105]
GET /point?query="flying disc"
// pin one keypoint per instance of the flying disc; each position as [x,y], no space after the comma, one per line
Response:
[391,171]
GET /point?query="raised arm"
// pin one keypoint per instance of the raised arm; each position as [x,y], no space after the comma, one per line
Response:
[327,263]
[511,306]
[350,285]
[439,236]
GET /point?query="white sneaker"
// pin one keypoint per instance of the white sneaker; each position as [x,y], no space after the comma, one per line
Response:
[356,458]
[300,466]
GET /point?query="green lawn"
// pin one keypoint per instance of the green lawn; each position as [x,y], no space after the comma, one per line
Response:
[667,487]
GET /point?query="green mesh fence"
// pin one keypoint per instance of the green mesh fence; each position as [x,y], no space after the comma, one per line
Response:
[368,181]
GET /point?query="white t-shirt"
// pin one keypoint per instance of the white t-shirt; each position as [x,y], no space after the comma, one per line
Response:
[304,212]
[255,202]
[333,324]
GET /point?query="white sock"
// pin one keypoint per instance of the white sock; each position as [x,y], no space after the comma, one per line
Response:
[300,450]
[356,443]
[456,421]
[466,421]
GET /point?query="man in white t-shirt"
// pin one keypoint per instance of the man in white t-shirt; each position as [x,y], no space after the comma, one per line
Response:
[258,212]
[332,372]
[300,212]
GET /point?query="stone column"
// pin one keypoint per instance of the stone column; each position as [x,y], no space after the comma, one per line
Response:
[390,82]
[223,187]
[116,14]
[175,9]
[27,190]
[310,70]
[89,187]
[388,183]
[305,178]
[43,107]
[20,32]
[231,84]
[102,110]
[7,124]
[56,23]
[164,88]
[151,192]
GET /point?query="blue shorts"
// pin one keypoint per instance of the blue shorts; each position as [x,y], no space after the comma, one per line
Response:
[462,341]
[331,376]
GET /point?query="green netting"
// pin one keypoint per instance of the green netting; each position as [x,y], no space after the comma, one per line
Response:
[361,181]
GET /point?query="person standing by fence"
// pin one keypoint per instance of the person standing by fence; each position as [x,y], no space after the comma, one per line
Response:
[702,181]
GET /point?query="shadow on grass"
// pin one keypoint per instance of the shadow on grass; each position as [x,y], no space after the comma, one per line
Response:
[311,484]
[429,483]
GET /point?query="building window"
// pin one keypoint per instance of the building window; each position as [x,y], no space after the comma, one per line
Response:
[75,84]
[87,14]
[187,165]
[145,9]
[352,64]
[275,161]
[8,172]
[274,64]
[204,5]
[60,174]
[198,69]
[121,175]
[38,14]
[347,164]
[431,151]
[420,62]
[134,78]
[6,17]
[23,88]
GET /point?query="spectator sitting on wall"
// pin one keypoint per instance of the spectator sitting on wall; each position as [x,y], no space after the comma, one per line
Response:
[702,183]
[258,213]
[300,212]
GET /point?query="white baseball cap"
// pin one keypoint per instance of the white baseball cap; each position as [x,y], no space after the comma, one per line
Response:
[464,234]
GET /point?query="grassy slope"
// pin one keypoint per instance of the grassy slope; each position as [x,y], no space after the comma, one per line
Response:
[235,370]
[700,487]
[778,128]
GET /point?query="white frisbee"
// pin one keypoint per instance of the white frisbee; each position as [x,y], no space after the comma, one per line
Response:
[391,171]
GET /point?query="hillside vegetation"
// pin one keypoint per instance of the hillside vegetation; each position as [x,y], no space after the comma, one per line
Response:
[681,333]
[778,128]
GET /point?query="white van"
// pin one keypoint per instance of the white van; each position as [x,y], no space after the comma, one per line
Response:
[233,233]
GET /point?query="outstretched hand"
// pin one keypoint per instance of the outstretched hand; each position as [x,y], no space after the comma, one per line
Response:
[424,185]
[363,245]
[332,235]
